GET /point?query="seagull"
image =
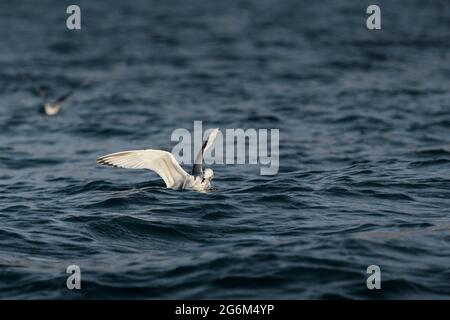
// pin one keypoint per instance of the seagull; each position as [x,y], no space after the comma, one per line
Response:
[53,108]
[166,166]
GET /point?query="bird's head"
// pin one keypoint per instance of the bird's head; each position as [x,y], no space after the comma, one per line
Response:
[208,175]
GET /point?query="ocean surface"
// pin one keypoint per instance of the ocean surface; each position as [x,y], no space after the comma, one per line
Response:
[364,179]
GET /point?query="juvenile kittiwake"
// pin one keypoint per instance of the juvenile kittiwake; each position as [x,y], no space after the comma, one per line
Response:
[166,166]
[51,108]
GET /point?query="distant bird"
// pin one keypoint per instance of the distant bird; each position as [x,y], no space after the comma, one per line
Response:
[51,108]
[166,166]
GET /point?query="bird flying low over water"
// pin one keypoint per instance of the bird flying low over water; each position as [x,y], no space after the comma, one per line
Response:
[166,166]
[51,108]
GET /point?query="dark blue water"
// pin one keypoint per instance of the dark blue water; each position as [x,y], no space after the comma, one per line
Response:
[364,119]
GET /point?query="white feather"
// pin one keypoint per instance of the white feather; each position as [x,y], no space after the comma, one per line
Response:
[209,143]
[211,138]
[159,161]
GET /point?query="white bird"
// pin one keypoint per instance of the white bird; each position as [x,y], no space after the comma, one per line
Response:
[166,166]
[53,108]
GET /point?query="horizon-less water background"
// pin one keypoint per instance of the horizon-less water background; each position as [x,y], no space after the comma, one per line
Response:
[364,121]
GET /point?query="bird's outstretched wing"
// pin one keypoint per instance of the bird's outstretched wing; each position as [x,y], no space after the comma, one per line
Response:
[65,96]
[162,162]
[36,87]
[197,169]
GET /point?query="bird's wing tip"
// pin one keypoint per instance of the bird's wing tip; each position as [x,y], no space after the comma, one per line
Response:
[102,160]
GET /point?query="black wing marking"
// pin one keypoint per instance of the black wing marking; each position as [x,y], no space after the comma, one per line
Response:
[69,93]
[197,169]
[65,96]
